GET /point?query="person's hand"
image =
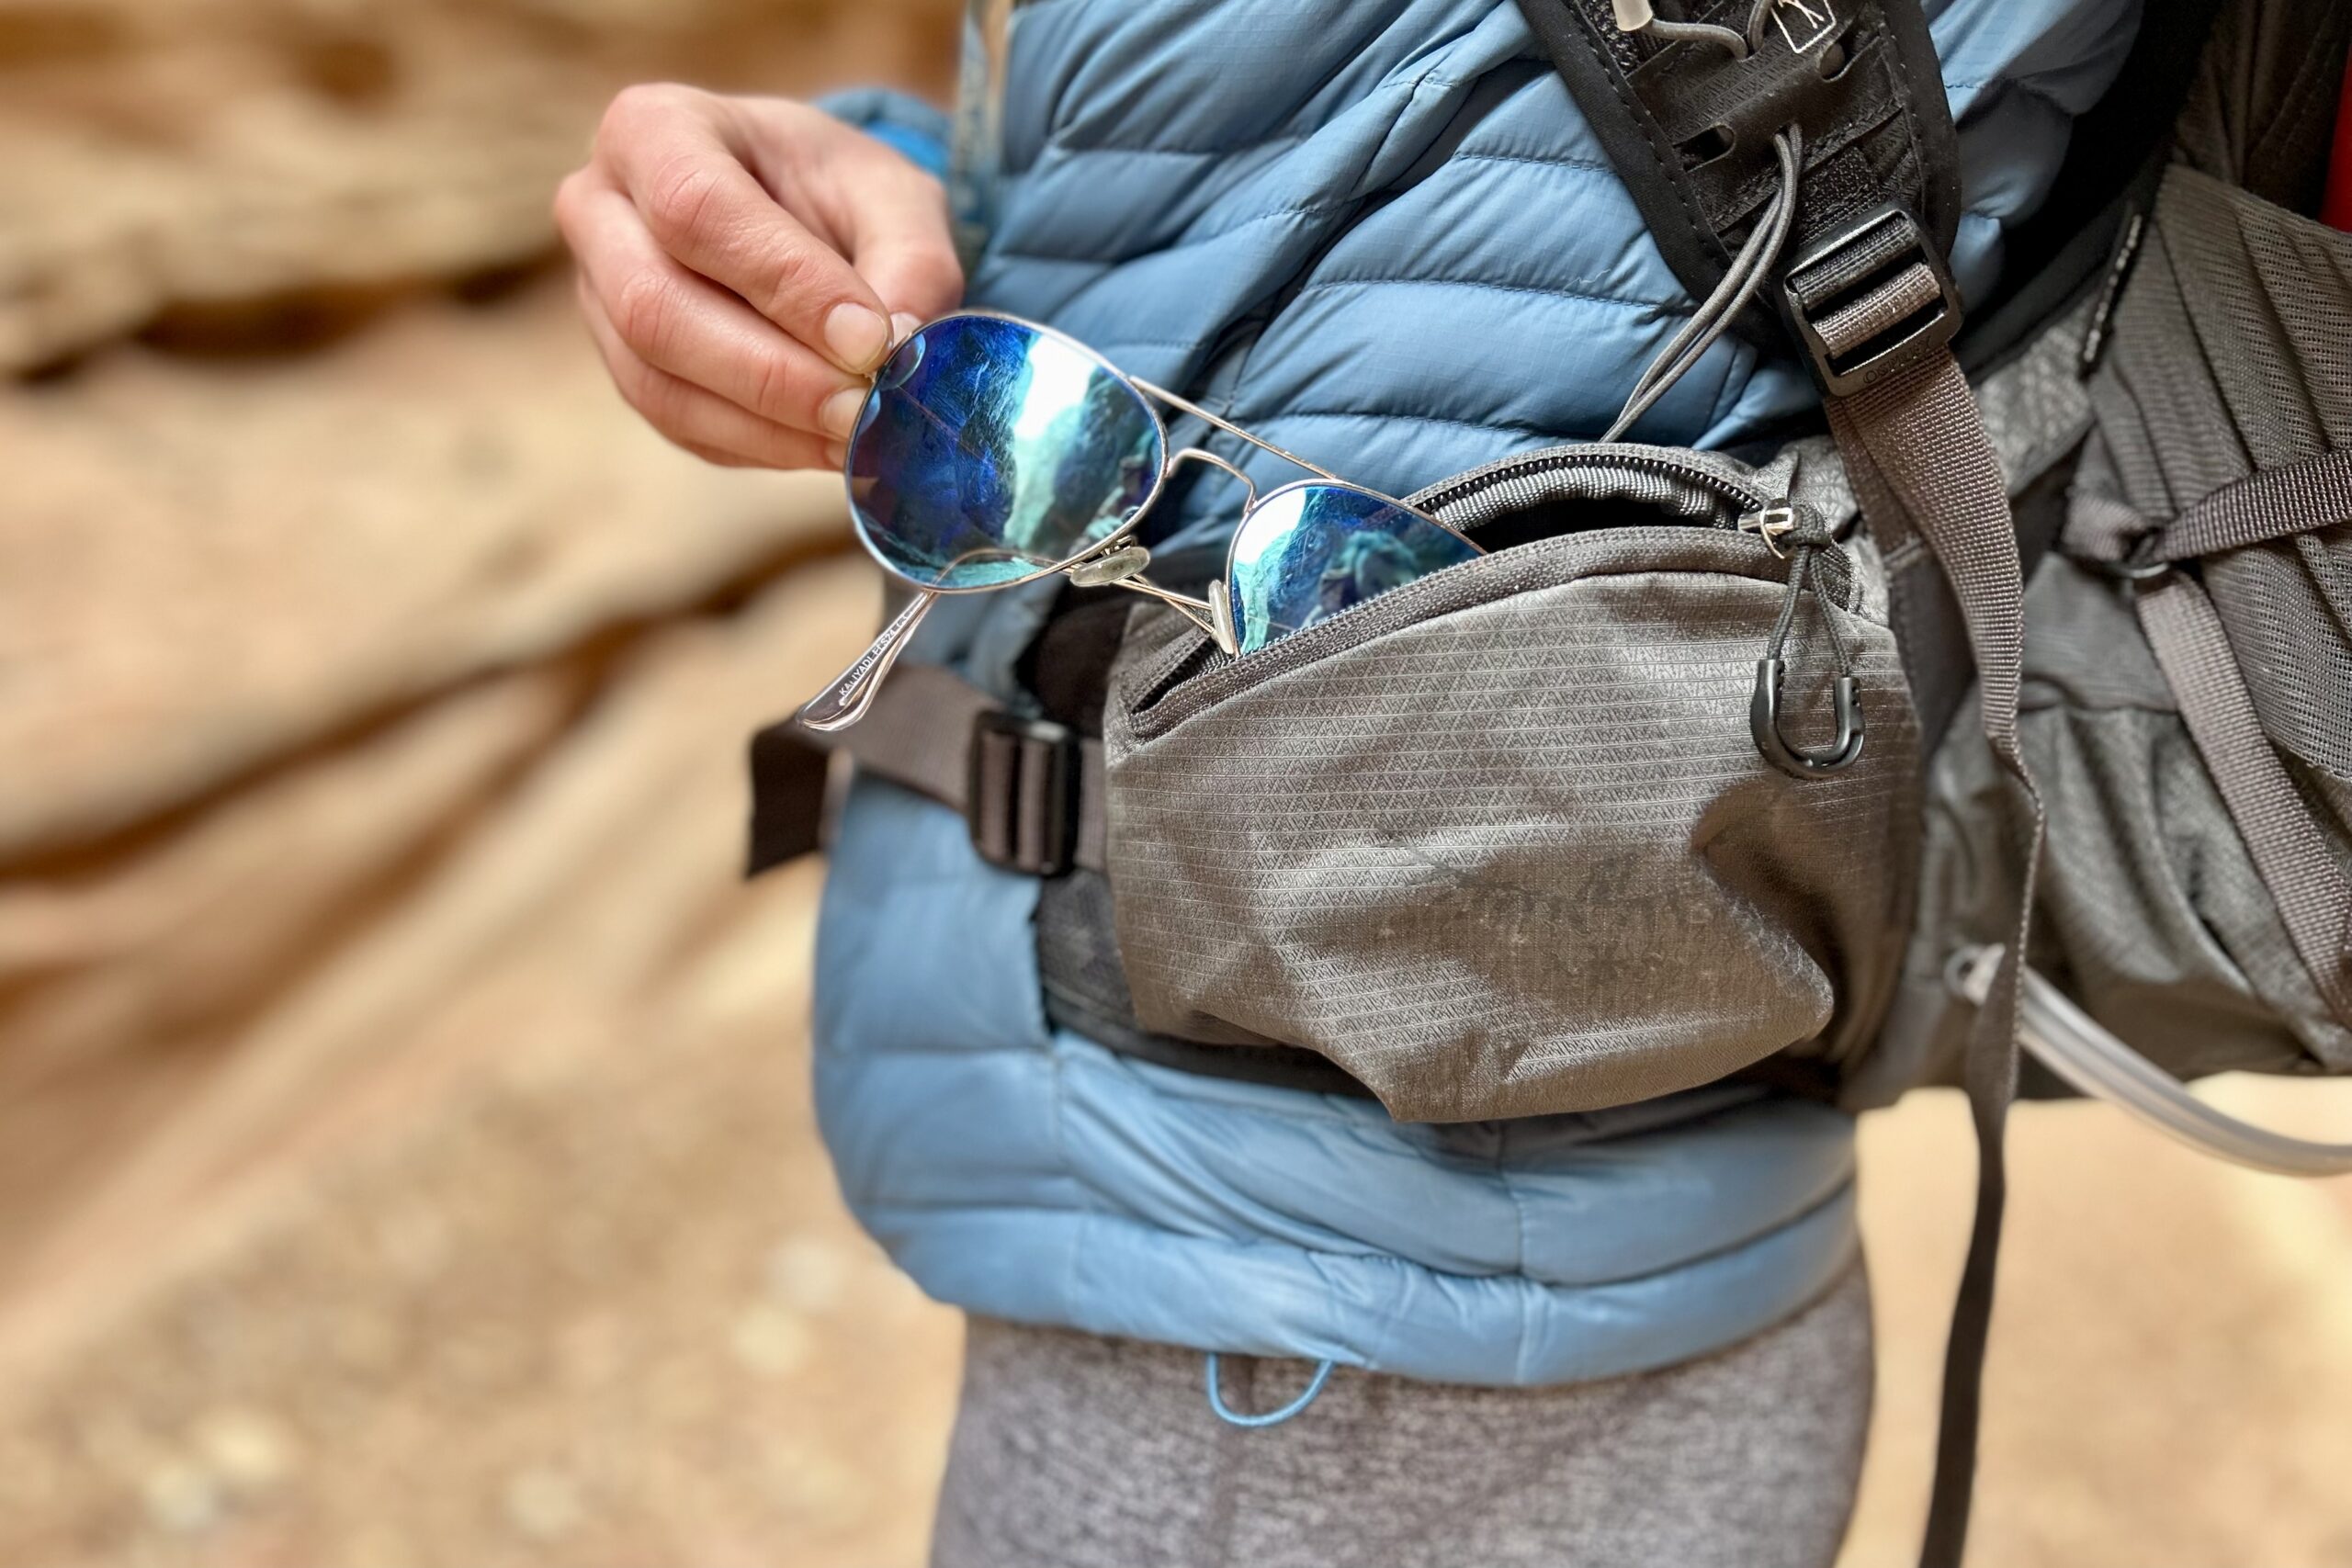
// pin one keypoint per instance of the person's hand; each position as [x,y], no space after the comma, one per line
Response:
[741,263]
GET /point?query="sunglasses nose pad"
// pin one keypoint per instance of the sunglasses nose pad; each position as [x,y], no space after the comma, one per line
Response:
[1115,566]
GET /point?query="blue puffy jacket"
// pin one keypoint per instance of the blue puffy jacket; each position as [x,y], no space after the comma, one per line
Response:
[1378,233]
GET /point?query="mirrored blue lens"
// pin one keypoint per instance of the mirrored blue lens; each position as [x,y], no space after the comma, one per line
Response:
[1310,551]
[989,451]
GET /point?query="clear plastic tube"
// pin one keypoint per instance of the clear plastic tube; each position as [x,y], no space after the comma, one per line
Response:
[2094,1062]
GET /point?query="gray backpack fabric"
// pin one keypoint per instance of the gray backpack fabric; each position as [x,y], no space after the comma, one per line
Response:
[1498,844]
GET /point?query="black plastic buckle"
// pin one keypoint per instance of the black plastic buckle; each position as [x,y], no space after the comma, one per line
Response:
[1020,793]
[1844,273]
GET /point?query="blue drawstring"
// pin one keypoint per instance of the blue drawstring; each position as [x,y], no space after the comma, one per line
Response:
[1227,1414]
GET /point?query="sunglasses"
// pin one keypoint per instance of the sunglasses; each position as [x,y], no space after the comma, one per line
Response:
[993,452]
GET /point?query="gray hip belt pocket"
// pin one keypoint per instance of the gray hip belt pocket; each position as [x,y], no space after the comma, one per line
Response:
[1502,842]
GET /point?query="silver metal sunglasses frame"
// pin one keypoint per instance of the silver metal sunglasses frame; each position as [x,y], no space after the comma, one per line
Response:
[846,698]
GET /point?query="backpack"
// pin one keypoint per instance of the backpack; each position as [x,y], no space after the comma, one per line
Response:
[2008,700]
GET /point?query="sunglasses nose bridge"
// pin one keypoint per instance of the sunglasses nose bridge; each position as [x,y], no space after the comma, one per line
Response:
[1201,454]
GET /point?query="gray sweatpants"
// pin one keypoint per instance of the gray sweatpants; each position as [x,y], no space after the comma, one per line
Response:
[1073,1451]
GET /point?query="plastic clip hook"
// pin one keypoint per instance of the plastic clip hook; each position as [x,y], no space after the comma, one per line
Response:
[1764,723]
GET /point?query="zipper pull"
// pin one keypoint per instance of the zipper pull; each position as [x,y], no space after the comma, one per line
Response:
[1771,524]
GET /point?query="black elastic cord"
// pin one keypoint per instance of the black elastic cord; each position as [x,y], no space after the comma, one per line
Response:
[1804,543]
[1805,539]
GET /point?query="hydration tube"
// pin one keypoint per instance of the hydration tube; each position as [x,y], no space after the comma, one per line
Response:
[2067,1041]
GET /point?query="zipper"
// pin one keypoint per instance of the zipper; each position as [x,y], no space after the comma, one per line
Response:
[2110,291]
[1199,676]
[1592,455]
[1744,500]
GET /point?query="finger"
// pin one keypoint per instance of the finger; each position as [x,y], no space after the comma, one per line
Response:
[895,228]
[830,459]
[706,210]
[696,418]
[678,321]
[714,457]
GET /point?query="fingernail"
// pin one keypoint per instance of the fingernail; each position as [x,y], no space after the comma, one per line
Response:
[837,415]
[835,454]
[857,336]
[904,325]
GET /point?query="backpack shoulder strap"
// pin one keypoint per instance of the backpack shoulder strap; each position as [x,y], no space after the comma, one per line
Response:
[1688,111]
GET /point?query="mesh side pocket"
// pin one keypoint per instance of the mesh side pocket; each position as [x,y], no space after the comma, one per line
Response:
[2224,421]
[2233,356]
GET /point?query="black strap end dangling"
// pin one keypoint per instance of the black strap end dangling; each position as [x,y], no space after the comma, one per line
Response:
[1799,761]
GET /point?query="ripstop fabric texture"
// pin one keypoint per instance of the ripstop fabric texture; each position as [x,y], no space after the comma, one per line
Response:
[1503,844]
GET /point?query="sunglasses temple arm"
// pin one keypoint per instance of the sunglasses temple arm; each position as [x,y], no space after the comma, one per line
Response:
[1165,396]
[844,702]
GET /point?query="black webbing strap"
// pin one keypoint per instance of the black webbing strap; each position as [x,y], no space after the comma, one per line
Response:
[1031,791]
[1689,126]
[1926,473]
[2275,503]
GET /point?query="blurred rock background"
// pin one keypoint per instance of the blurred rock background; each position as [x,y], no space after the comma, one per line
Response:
[405,1158]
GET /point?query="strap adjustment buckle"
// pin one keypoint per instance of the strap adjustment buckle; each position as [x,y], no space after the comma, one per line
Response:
[1870,301]
[1020,793]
